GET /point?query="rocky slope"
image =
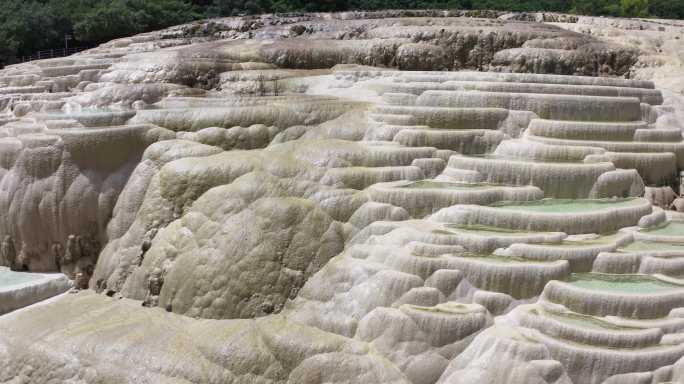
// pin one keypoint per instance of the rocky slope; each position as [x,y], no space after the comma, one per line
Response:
[391,197]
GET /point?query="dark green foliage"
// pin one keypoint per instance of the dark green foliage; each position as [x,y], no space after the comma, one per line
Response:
[524,5]
[624,8]
[620,8]
[238,7]
[670,9]
[117,18]
[106,21]
[27,26]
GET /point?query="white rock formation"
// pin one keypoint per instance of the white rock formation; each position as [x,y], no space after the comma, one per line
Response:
[392,197]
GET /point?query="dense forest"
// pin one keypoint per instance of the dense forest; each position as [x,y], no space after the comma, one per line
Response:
[27,26]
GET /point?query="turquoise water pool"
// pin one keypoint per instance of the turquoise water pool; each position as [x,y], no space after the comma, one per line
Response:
[431,184]
[610,238]
[496,258]
[580,320]
[621,283]
[486,230]
[9,278]
[652,246]
[674,228]
[567,205]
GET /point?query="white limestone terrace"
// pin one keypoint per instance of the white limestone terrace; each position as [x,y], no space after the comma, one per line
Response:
[18,290]
[316,199]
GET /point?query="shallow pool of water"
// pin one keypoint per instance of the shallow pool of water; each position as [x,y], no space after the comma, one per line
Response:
[651,246]
[9,278]
[674,228]
[567,205]
[527,159]
[606,239]
[622,283]
[431,184]
[486,230]
[496,258]
[579,320]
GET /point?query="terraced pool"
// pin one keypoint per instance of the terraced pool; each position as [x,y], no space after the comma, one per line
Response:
[625,284]
[10,278]
[486,230]
[21,289]
[490,156]
[607,239]
[580,320]
[673,228]
[568,205]
[652,246]
[431,184]
[498,259]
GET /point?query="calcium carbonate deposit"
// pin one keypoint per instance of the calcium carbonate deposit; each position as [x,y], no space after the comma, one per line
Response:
[373,197]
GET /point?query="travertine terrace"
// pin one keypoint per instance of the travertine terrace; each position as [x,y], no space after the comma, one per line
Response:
[396,197]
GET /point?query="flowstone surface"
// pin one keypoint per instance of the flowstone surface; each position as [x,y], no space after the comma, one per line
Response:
[386,197]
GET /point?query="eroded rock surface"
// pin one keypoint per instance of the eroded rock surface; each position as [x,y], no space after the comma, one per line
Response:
[373,197]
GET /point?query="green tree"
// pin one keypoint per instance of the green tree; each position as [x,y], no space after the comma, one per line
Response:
[158,14]
[239,7]
[634,8]
[108,20]
[29,26]
[8,48]
[118,18]
[671,9]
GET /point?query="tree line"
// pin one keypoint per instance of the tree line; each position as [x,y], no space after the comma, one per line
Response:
[27,26]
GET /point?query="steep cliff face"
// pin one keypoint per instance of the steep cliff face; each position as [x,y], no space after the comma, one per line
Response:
[387,197]
[59,187]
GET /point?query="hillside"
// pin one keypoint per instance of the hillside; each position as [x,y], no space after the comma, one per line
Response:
[414,196]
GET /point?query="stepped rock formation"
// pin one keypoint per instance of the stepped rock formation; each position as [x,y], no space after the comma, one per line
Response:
[369,197]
